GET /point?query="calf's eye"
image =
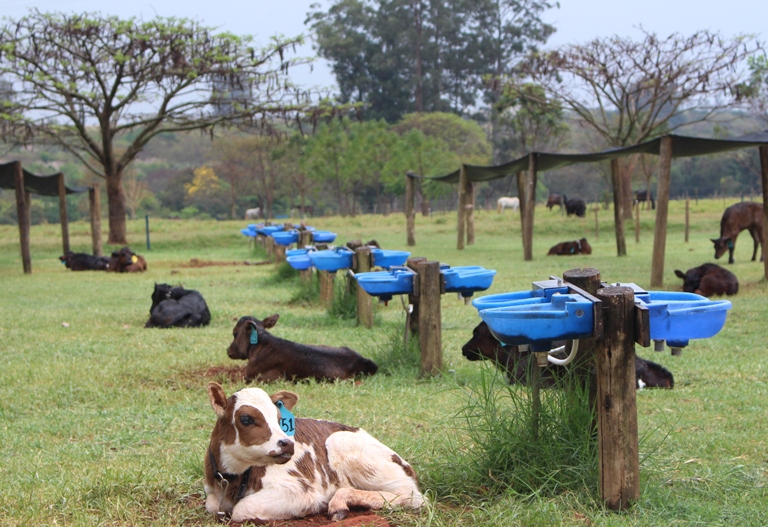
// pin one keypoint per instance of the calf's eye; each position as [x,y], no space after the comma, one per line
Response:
[246,420]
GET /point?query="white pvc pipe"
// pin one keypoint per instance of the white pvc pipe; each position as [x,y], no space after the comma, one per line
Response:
[568,359]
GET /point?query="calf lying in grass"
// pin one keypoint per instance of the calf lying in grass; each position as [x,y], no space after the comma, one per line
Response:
[516,364]
[177,307]
[257,469]
[271,358]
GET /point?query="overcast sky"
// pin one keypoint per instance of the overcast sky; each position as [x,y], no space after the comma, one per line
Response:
[575,20]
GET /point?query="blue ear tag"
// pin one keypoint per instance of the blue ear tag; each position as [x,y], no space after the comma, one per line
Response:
[286,419]
[254,336]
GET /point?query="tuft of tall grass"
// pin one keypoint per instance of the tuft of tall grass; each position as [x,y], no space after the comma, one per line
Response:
[344,302]
[501,451]
[284,273]
[395,356]
[307,293]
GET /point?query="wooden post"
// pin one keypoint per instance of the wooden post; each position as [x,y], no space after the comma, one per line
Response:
[764,179]
[364,300]
[326,286]
[687,217]
[430,322]
[587,279]
[521,193]
[530,205]
[269,245]
[413,264]
[469,198]
[662,208]
[410,211]
[94,201]
[637,223]
[618,208]
[461,210]
[279,250]
[618,453]
[22,211]
[63,213]
[597,225]
[305,240]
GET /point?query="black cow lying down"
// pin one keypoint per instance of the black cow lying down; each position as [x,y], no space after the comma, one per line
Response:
[84,261]
[177,307]
[271,358]
[483,345]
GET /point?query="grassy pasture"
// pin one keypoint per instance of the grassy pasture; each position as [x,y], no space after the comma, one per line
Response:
[104,422]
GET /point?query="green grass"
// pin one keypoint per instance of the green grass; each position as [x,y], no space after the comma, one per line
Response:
[104,422]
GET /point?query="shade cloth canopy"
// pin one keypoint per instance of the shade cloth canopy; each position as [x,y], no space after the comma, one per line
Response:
[41,185]
[682,146]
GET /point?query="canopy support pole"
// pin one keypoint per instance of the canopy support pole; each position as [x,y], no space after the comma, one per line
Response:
[461,209]
[764,179]
[94,200]
[618,208]
[662,211]
[410,212]
[63,214]
[22,210]
[529,197]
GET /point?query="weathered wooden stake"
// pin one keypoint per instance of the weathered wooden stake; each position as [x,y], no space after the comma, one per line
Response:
[413,264]
[618,208]
[410,211]
[662,210]
[22,210]
[364,300]
[764,179]
[305,239]
[618,454]
[63,214]
[94,200]
[520,176]
[269,245]
[326,286]
[687,217]
[430,321]
[279,250]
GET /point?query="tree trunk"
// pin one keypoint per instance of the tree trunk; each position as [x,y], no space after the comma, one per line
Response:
[116,206]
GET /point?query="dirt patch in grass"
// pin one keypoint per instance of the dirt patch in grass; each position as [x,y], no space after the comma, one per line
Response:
[230,373]
[195,262]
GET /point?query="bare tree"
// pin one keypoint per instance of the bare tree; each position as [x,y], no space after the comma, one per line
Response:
[632,91]
[83,81]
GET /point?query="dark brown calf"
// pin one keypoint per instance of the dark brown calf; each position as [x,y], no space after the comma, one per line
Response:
[709,280]
[568,248]
[736,218]
[126,261]
[516,365]
[271,358]
[84,262]
[556,199]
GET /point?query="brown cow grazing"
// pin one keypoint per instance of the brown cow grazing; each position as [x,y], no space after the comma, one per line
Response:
[516,364]
[736,218]
[556,199]
[254,470]
[271,358]
[709,280]
[568,248]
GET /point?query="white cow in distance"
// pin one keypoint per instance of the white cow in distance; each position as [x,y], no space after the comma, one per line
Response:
[253,214]
[507,203]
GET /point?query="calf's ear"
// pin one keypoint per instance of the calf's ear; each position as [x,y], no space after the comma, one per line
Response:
[218,398]
[289,398]
[270,322]
[679,274]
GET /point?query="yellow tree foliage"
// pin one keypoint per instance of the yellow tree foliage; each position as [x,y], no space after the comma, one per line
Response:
[205,181]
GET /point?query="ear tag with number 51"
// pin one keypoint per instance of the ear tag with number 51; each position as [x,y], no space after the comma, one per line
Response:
[286,419]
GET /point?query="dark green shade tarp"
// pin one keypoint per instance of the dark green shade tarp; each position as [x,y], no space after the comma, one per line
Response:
[682,146]
[41,185]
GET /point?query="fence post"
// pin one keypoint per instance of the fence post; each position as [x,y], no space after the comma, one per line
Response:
[430,322]
[364,300]
[618,453]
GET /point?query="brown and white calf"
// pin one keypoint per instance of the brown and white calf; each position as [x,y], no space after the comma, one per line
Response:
[516,364]
[271,358]
[254,471]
